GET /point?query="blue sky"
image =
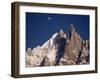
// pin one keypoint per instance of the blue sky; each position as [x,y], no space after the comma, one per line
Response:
[41,26]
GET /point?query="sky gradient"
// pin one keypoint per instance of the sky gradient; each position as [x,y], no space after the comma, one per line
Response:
[41,26]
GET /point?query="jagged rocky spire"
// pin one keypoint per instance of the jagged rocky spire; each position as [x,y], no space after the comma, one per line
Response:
[60,49]
[62,34]
[73,44]
[71,31]
[72,28]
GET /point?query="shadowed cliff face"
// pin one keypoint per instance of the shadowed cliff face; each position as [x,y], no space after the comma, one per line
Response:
[61,49]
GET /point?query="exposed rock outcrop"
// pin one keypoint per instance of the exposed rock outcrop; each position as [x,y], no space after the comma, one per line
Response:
[61,49]
[73,44]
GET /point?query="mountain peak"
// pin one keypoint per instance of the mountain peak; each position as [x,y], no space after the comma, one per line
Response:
[61,49]
[71,31]
[71,27]
[62,34]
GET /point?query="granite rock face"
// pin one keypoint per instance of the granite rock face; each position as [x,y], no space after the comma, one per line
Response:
[73,45]
[61,49]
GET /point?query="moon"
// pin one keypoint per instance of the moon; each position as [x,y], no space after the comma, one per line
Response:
[49,18]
